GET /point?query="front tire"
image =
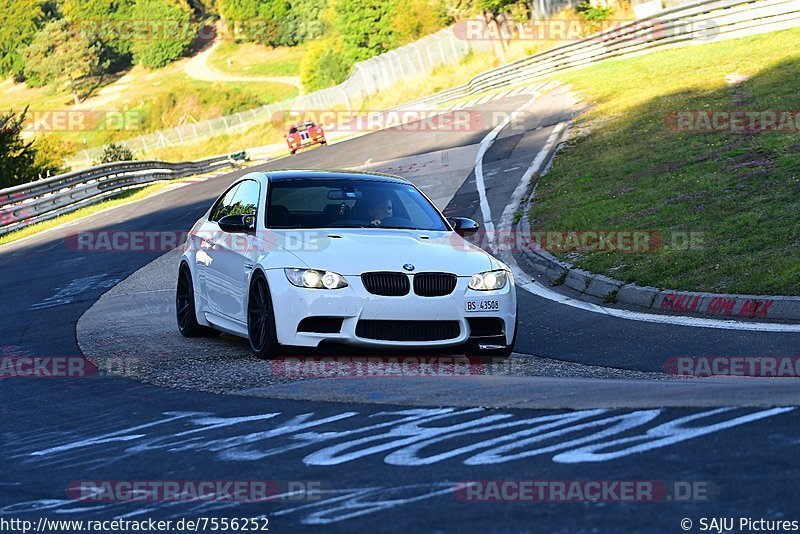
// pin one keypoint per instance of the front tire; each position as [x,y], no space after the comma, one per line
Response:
[261,329]
[185,309]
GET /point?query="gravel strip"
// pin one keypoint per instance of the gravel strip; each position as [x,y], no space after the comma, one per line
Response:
[130,331]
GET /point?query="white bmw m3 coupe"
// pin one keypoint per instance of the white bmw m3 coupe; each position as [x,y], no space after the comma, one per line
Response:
[299,258]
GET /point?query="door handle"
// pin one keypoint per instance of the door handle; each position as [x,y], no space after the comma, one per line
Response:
[248,266]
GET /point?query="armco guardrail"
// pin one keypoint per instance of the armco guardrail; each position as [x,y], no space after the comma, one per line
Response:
[367,77]
[686,24]
[27,204]
[697,23]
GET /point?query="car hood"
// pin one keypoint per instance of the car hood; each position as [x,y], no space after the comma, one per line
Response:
[355,251]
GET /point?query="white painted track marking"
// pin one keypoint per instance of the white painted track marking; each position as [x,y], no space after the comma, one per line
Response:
[486,142]
[531,286]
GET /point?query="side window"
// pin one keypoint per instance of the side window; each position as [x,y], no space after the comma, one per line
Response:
[222,206]
[245,201]
[242,199]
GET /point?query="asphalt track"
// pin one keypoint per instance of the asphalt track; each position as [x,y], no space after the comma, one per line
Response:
[381,466]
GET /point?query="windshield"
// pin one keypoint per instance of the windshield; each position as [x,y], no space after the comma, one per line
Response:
[350,204]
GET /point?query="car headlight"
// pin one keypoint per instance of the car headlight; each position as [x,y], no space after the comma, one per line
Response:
[489,280]
[315,279]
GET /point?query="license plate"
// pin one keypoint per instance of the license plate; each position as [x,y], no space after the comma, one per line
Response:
[483,305]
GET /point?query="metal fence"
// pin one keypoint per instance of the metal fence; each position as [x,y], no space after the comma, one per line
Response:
[693,23]
[684,25]
[27,204]
[367,78]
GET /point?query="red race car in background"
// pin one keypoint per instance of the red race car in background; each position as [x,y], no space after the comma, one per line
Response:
[305,134]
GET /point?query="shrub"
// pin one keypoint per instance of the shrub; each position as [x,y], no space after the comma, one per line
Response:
[116,152]
[51,153]
[593,16]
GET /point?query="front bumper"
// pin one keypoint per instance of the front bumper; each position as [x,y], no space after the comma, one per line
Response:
[354,303]
[305,143]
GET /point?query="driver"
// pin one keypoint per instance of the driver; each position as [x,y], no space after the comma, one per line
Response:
[380,210]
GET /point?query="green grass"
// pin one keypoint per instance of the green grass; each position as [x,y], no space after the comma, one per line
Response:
[157,99]
[125,197]
[249,59]
[625,169]
[269,133]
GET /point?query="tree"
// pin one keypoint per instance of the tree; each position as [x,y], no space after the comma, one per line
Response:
[496,14]
[19,159]
[268,22]
[58,54]
[19,22]
[324,64]
[307,19]
[275,14]
[106,22]
[365,26]
[168,32]
[413,19]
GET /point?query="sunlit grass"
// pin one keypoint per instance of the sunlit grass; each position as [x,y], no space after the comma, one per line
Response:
[626,169]
[250,59]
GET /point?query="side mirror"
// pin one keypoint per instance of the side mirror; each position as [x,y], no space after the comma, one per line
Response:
[238,224]
[464,226]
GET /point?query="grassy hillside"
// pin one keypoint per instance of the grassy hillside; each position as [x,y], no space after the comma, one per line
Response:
[156,99]
[250,59]
[627,169]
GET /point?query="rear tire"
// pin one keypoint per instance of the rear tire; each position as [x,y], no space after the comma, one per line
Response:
[185,310]
[261,331]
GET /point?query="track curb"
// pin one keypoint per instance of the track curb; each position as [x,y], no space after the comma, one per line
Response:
[598,288]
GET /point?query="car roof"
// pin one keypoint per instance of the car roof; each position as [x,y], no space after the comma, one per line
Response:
[282,176]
